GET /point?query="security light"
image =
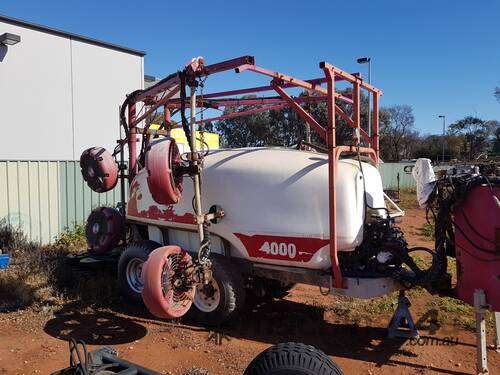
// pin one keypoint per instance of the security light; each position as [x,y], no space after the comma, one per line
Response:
[9,39]
[363,60]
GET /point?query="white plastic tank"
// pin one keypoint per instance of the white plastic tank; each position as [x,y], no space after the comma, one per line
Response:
[275,201]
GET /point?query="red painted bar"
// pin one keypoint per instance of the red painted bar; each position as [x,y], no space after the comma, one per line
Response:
[300,111]
[228,64]
[257,89]
[350,77]
[156,89]
[356,110]
[132,143]
[153,108]
[243,113]
[283,77]
[376,125]
[257,101]
[338,281]
[168,118]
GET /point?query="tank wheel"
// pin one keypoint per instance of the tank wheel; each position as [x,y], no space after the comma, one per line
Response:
[130,268]
[292,359]
[222,298]
[166,293]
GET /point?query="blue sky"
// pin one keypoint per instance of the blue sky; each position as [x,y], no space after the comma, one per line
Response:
[440,56]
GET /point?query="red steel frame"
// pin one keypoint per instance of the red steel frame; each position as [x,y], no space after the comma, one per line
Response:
[163,94]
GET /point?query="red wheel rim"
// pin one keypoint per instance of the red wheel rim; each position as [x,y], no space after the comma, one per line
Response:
[159,294]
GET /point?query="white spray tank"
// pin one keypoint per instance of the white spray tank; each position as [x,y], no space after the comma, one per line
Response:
[275,202]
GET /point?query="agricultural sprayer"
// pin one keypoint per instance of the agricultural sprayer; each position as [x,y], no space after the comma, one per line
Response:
[201,228]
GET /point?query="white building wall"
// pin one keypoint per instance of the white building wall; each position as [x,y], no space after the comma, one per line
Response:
[35,96]
[101,79]
[59,96]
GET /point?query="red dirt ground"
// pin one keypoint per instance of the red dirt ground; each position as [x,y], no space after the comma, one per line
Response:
[32,343]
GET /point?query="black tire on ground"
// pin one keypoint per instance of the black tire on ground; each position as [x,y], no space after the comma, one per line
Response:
[231,295]
[132,258]
[292,359]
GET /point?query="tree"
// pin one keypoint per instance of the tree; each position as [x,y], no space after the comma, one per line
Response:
[431,146]
[397,136]
[475,132]
[495,132]
[245,131]
[283,127]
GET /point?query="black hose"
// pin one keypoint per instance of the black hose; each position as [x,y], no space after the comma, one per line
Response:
[130,97]
[123,108]
[185,125]
[447,195]
[80,367]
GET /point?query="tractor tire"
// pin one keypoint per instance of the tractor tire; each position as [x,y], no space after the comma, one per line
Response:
[292,359]
[130,268]
[222,299]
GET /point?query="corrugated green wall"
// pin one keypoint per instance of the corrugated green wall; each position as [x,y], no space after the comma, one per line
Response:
[390,172]
[29,197]
[76,198]
[46,197]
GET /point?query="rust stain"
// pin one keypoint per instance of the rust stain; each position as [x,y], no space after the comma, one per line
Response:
[154,212]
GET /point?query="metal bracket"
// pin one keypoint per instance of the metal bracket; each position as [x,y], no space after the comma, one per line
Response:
[480,308]
[496,344]
[402,325]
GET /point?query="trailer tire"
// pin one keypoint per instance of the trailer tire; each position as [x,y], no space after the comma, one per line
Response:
[130,267]
[292,359]
[225,296]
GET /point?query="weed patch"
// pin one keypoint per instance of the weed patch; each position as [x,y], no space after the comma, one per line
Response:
[456,312]
[408,198]
[72,237]
[427,231]
[40,275]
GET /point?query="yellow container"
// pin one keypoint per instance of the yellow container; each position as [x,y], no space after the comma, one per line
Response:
[212,139]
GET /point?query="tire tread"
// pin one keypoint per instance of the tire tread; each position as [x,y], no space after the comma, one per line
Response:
[235,294]
[139,249]
[292,358]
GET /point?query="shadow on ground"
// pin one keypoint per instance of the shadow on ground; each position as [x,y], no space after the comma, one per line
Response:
[270,322]
[94,327]
[283,320]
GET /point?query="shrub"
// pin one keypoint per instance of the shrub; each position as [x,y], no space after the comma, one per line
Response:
[72,237]
[28,279]
[40,275]
[428,231]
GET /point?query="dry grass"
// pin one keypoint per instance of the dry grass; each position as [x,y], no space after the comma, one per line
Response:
[40,276]
[455,312]
[28,279]
[427,231]
[408,198]
[361,311]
